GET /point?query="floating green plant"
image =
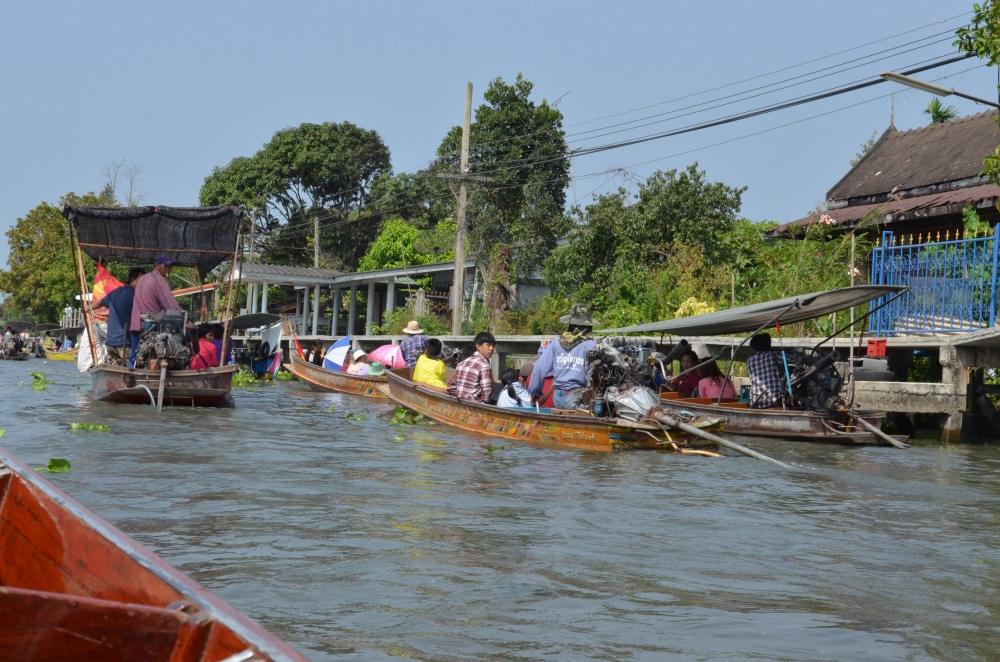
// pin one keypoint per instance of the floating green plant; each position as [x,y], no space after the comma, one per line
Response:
[404,416]
[57,465]
[39,382]
[89,427]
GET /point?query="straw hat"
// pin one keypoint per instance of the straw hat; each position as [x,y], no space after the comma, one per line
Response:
[413,328]
[376,369]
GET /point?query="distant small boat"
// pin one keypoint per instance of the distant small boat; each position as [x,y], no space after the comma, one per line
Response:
[65,355]
[569,428]
[72,586]
[16,356]
[323,379]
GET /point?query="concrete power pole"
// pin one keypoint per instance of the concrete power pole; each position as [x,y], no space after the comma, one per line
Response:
[459,279]
[316,242]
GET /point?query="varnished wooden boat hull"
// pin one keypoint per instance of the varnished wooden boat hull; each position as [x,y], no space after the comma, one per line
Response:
[321,379]
[68,355]
[20,356]
[582,431]
[72,587]
[779,423]
[184,388]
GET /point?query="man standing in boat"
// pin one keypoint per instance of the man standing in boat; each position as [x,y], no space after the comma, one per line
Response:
[566,360]
[123,338]
[152,293]
[473,378]
[767,373]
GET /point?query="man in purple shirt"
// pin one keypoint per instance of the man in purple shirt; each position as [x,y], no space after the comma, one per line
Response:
[152,293]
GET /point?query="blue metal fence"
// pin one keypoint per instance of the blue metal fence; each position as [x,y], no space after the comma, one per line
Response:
[952,284]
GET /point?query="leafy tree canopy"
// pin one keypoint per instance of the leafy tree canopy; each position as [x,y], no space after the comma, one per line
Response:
[312,170]
[400,244]
[981,36]
[41,277]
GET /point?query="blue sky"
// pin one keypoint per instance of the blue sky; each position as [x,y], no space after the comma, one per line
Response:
[181,87]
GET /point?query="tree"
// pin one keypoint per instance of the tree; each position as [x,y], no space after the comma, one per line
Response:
[41,278]
[866,147]
[981,37]
[518,217]
[312,170]
[939,112]
[399,245]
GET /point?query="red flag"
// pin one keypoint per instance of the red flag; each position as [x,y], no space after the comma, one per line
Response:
[104,283]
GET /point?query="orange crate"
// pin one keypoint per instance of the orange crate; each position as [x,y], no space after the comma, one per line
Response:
[876,348]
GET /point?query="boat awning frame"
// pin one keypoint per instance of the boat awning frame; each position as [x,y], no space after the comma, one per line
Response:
[745,319]
[201,237]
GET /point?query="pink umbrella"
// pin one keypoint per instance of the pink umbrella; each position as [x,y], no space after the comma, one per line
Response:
[389,356]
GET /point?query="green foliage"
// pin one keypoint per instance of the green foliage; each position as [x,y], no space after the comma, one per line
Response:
[244,378]
[39,382]
[401,244]
[394,322]
[981,37]
[56,465]
[973,224]
[523,206]
[89,427]
[939,112]
[404,416]
[284,376]
[303,172]
[41,277]
[866,147]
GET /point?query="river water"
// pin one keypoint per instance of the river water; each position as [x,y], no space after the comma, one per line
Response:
[353,538]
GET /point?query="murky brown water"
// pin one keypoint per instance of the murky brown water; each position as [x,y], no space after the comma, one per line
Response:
[352,538]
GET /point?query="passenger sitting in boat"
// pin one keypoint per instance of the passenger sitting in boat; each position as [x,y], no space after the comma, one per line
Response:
[687,383]
[767,376]
[316,354]
[359,363]
[713,383]
[566,360]
[206,356]
[430,369]
[473,378]
[376,369]
[513,394]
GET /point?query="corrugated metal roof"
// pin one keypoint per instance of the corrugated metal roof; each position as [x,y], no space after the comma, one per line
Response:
[900,160]
[973,195]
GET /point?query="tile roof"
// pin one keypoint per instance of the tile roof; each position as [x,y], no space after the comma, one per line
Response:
[895,210]
[935,154]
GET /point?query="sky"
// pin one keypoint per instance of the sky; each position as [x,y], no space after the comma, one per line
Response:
[179,88]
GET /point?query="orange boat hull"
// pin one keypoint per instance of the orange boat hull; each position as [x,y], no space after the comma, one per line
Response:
[74,587]
[321,379]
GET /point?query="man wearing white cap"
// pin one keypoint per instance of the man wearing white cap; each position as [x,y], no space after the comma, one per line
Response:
[413,346]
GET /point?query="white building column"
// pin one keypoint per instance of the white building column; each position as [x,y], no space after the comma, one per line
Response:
[252,298]
[305,311]
[390,296]
[352,310]
[335,315]
[263,298]
[315,324]
[370,309]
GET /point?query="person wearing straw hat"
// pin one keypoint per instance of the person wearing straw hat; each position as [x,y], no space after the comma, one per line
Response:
[359,363]
[566,360]
[413,346]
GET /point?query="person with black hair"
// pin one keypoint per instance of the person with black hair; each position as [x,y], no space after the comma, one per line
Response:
[713,383]
[122,340]
[473,378]
[513,394]
[767,375]
[203,352]
[687,383]
[429,369]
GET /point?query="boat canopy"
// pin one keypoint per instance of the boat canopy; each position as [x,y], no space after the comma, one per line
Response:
[199,237]
[19,326]
[45,326]
[745,319]
[252,321]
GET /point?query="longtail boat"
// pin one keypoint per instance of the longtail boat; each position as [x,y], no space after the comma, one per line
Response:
[842,424]
[72,586]
[323,379]
[202,238]
[65,355]
[566,428]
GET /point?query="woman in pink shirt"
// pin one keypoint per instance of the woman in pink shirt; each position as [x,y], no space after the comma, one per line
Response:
[713,382]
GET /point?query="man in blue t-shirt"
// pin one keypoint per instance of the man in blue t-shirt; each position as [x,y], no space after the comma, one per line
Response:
[122,342]
[566,360]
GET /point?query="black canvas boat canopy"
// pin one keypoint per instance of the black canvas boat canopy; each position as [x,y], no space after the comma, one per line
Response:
[200,237]
[19,326]
[45,326]
[745,319]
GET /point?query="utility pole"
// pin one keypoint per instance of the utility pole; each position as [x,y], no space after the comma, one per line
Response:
[463,177]
[316,242]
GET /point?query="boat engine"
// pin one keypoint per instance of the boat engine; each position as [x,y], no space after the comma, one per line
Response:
[815,380]
[165,341]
